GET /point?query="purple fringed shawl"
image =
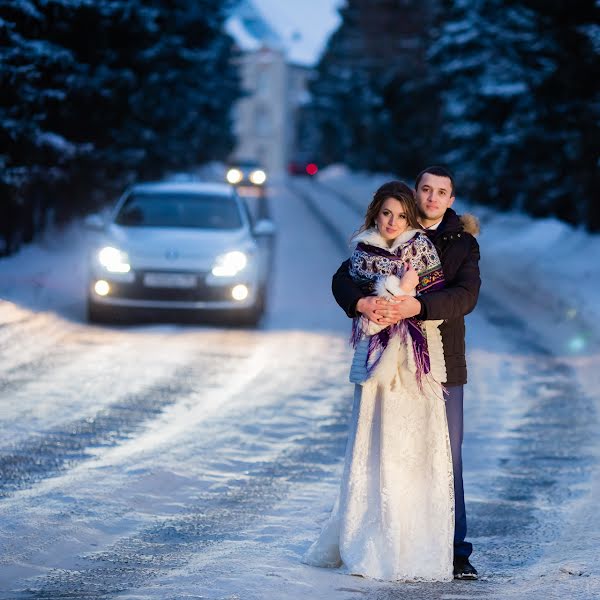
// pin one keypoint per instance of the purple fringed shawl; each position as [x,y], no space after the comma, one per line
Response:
[368,263]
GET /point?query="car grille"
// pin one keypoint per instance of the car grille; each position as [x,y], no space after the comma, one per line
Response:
[136,290]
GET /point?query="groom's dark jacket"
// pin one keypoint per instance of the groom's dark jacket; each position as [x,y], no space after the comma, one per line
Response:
[459,253]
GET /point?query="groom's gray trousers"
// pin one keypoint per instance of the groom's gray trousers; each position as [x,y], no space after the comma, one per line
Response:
[454,414]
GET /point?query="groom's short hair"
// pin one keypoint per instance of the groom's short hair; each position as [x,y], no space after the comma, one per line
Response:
[440,172]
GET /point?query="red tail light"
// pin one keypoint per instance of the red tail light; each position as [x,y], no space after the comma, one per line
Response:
[312,169]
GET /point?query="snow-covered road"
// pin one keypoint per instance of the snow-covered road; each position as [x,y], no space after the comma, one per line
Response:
[178,461]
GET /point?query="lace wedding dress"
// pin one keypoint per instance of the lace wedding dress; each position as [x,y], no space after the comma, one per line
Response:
[394,517]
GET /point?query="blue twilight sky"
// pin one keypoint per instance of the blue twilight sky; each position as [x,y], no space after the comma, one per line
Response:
[303,25]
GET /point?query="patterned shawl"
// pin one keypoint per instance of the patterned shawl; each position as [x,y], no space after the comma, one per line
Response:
[372,260]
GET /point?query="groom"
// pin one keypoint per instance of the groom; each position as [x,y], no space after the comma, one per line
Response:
[458,250]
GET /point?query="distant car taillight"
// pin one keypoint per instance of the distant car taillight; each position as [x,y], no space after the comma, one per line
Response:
[312,169]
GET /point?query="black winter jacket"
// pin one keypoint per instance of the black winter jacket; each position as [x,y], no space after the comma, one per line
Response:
[459,253]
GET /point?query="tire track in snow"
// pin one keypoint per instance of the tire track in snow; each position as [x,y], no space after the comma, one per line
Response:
[547,454]
[94,390]
[44,455]
[286,439]
[85,371]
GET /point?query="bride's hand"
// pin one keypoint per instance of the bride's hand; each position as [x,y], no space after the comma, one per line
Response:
[410,279]
[403,307]
[397,308]
[366,306]
[379,310]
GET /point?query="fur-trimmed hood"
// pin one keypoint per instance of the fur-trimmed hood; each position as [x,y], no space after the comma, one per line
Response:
[453,224]
[470,224]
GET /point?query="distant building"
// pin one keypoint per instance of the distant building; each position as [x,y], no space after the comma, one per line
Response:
[264,119]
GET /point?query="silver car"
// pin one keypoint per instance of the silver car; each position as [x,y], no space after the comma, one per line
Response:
[189,246]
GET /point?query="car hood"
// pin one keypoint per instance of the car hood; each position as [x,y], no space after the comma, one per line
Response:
[176,248]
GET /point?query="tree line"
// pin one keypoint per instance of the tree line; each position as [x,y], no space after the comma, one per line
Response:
[97,94]
[503,92]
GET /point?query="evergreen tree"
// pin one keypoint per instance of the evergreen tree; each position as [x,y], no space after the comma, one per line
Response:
[369,107]
[34,81]
[564,131]
[103,92]
[188,87]
[519,118]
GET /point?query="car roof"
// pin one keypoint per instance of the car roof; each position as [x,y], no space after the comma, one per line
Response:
[189,187]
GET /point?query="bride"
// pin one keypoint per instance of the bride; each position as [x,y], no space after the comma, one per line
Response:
[394,517]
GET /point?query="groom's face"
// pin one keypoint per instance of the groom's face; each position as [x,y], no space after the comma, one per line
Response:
[433,196]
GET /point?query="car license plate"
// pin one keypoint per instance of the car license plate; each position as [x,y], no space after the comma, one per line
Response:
[169,280]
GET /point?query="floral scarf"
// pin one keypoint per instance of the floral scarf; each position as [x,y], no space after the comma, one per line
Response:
[373,260]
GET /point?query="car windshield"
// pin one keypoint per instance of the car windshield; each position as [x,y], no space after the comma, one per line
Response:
[170,209]
[245,164]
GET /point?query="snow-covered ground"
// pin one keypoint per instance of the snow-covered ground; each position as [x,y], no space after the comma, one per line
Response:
[176,461]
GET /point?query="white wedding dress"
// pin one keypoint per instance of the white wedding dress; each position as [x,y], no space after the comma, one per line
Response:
[394,517]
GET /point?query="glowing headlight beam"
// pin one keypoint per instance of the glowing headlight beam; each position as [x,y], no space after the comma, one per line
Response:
[234,176]
[114,260]
[228,265]
[239,292]
[258,177]
[101,287]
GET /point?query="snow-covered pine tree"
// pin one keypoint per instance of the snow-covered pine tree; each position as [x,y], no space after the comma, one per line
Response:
[104,92]
[188,87]
[516,122]
[361,113]
[34,79]
[564,131]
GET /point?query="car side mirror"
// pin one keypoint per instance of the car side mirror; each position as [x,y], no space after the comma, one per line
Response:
[264,228]
[94,222]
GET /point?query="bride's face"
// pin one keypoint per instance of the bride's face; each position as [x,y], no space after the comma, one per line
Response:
[391,219]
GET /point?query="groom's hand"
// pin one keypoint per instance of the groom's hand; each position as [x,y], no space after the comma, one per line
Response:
[400,307]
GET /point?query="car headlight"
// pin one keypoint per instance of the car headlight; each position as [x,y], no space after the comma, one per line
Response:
[113,260]
[234,176]
[230,264]
[258,177]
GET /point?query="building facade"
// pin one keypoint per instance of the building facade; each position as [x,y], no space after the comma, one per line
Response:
[274,89]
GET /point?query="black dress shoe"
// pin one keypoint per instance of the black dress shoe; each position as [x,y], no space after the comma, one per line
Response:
[463,569]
